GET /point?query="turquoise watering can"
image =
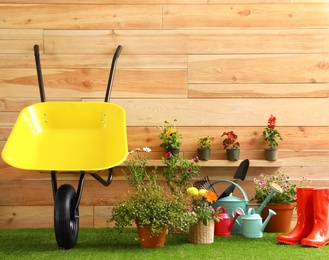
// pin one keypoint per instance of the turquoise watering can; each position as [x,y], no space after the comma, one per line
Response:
[230,203]
[251,224]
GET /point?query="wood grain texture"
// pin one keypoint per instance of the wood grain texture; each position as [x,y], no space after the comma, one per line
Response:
[243,90]
[92,83]
[247,16]
[170,42]
[227,112]
[258,68]
[133,2]
[224,112]
[73,16]
[38,217]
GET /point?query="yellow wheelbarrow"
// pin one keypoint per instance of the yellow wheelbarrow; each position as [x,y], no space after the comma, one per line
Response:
[84,137]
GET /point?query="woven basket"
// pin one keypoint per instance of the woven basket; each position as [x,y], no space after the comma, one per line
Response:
[201,234]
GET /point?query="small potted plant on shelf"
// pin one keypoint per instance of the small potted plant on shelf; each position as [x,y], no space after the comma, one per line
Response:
[231,146]
[272,136]
[171,138]
[202,232]
[282,203]
[150,205]
[204,149]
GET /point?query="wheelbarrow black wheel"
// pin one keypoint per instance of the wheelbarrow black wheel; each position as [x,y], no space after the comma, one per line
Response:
[66,217]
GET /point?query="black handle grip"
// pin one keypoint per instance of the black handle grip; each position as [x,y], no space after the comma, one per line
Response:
[110,81]
[39,73]
[118,51]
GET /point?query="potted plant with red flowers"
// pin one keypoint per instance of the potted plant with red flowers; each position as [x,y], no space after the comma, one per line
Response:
[231,146]
[272,136]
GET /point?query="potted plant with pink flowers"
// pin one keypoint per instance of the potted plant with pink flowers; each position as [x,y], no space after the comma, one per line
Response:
[282,203]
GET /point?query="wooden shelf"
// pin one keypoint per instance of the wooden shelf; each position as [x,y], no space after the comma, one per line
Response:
[226,163]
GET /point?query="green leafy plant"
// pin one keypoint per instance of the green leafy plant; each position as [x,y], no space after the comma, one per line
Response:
[271,134]
[200,206]
[169,135]
[230,141]
[179,171]
[204,142]
[149,203]
[262,187]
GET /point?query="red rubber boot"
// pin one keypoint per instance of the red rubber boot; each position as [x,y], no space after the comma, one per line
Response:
[304,224]
[319,236]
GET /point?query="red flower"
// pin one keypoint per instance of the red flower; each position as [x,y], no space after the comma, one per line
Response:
[271,122]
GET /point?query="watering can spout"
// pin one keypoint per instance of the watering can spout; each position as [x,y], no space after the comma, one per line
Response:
[270,214]
[275,188]
[238,213]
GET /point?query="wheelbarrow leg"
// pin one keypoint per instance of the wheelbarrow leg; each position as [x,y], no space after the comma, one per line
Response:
[66,213]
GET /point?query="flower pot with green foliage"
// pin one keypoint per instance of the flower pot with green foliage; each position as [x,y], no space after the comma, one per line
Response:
[204,149]
[150,203]
[171,139]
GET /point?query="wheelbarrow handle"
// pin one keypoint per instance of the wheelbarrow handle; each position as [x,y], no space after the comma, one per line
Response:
[111,76]
[39,73]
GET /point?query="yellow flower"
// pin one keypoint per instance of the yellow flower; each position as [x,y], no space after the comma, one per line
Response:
[202,192]
[171,131]
[192,191]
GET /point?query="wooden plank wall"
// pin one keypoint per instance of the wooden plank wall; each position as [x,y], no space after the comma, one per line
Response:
[214,65]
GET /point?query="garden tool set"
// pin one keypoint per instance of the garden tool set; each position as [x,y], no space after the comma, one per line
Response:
[236,217]
[312,228]
[231,203]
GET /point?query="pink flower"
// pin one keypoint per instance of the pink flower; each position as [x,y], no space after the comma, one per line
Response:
[195,159]
[168,155]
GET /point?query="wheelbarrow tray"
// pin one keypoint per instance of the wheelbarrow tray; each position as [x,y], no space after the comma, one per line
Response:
[68,136]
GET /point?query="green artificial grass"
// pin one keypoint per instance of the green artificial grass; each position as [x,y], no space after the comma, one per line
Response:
[107,243]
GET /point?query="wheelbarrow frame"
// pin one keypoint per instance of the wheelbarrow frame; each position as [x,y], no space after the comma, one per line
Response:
[66,199]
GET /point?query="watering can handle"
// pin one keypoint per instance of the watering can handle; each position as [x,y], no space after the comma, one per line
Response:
[221,208]
[251,211]
[231,182]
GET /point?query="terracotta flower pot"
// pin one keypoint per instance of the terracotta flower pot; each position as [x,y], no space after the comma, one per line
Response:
[281,222]
[146,239]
